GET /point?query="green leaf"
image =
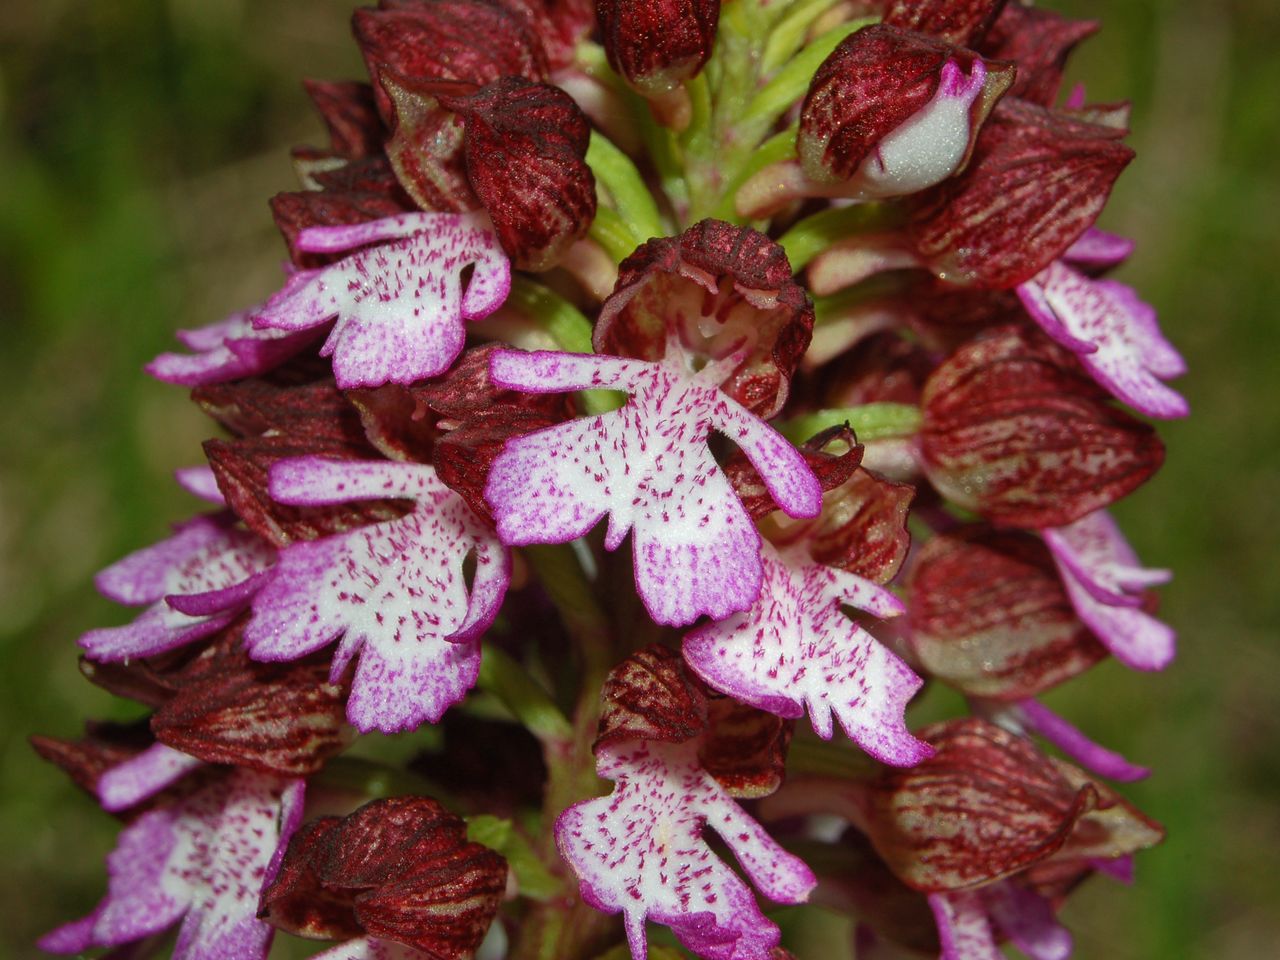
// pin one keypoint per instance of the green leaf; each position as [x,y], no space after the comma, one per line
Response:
[620,178]
[788,36]
[565,323]
[504,677]
[792,82]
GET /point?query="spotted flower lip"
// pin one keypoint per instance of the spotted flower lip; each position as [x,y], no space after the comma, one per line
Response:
[393,591]
[1114,334]
[398,306]
[641,850]
[194,584]
[199,858]
[794,649]
[1107,585]
[648,467]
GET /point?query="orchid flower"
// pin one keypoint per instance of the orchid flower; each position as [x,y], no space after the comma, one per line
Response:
[648,467]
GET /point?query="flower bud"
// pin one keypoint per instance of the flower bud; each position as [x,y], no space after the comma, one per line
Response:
[649,697]
[745,749]
[989,616]
[398,869]
[956,21]
[653,697]
[657,44]
[987,805]
[525,145]
[863,527]
[425,149]
[1039,41]
[460,40]
[275,718]
[891,112]
[1038,179]
[1016,431]
[718,288]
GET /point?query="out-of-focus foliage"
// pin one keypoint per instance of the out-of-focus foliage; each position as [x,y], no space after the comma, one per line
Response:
[139,141]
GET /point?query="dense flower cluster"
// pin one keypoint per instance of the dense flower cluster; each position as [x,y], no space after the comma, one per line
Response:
[805,300]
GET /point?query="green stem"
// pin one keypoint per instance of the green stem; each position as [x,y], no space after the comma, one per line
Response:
[779,147]
[835,306]
[508,680]
[871,421]
[810,236]
[565,927]
[614,234]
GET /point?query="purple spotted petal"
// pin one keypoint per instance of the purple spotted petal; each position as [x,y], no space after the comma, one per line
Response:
[795,649]
[144,776]
[1105,582]
[393,591]
[1114,333]
[203,856]
[1098,249]
[1027,919]
[228,350]
[1097,555]
[399,306]
[248,824]
[648,467]
[147,889]
[1075,744]
[963,926]
[200,482]
[206,555]
[641,851]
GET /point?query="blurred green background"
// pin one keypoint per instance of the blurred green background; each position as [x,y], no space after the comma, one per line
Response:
[139,141]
